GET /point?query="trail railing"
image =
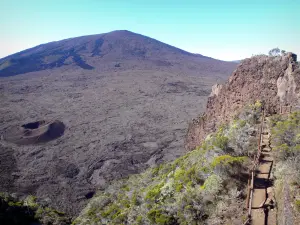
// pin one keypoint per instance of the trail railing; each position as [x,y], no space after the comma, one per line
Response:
[252,171]
[285,109]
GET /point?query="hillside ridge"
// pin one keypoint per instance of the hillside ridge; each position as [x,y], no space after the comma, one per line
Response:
[107,51]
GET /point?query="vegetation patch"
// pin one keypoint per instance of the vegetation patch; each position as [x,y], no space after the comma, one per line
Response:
[285,140]
[297,204]
[225,160]
[28,211]
[188,190]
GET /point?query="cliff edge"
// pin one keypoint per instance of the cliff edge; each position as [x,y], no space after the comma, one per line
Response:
[272,80]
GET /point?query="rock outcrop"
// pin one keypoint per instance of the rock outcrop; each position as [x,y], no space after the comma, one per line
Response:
[272,80]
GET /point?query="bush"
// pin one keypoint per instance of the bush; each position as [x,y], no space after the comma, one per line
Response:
[220,140]
[252,113]
[297,204]
[139,220]
[285,136]
[154,192]
[112,211]
[226,160]
[213,184]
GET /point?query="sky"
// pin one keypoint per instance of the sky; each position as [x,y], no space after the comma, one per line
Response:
[226,30]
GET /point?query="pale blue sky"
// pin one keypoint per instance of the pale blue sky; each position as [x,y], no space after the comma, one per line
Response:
[225,30]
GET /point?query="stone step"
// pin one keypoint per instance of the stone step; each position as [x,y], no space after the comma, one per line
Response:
[264,171]
[268,158]
[258,217]
[263,175]
[259,197]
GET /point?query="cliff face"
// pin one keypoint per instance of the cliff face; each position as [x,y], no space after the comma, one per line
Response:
[272,80]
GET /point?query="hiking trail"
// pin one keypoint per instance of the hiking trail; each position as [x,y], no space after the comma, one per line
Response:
[263,210]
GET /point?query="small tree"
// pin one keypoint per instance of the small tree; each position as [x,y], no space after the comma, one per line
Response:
[274,52]
[277,52]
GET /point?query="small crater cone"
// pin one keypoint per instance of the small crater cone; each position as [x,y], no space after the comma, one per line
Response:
[35,132]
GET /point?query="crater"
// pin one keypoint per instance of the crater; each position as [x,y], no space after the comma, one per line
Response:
[35,132]
[33,125]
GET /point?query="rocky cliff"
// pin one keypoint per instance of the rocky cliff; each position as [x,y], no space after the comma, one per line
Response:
[272,80]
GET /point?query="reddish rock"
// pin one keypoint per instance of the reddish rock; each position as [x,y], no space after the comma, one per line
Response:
[272,80]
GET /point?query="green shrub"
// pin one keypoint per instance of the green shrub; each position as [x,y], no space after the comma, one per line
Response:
[139,220]
[155,171]
[158,217]
[212,184]
[179,174]
[225,160]
[31,201]
[119,218]
[134,199]
[154,192]
[18,204]
[178,186]
[220,140]
[258,104]
[297,204]
[112,211]
[125,188]
[152,214]
[285,136]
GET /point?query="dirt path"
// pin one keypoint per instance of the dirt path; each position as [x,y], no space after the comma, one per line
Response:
[263,212]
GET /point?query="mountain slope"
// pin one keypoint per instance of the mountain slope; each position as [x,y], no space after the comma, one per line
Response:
[108,51]
[124,99]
